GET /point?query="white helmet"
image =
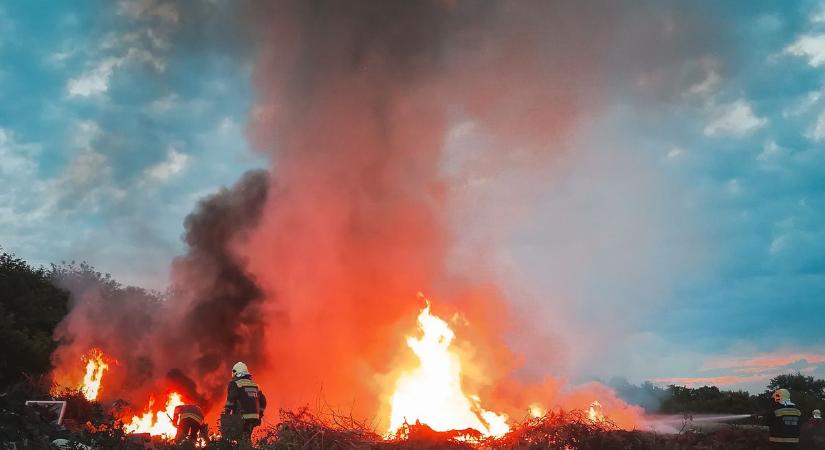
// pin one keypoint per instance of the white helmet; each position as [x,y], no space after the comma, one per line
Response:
[239,369]
[817,414]
[782,396]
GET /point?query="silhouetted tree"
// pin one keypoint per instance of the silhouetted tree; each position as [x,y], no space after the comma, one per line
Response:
[30,308]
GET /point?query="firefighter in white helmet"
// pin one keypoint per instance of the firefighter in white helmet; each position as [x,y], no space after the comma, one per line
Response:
[245,399]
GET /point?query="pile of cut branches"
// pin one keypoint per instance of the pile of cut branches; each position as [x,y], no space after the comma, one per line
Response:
[305,430]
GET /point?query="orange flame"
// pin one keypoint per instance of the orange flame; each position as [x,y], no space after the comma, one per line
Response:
[594,413]
[156,423]
[95,366]
[432,392]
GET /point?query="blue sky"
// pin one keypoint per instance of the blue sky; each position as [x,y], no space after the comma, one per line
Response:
[705,203]
[105,134]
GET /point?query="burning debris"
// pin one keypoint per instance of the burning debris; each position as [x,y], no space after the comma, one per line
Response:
[156,422]
[95,366]
[428,401]
[432,393]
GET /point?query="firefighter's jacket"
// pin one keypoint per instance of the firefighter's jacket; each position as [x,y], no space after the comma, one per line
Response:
[193,412]
[784,422]
[244,397]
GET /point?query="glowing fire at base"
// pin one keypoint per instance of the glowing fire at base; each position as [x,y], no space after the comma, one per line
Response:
[156,423]
[594,413]
[95,366]
[432,393]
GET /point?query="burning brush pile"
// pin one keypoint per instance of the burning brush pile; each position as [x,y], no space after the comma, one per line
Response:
[429,409]
[558,430]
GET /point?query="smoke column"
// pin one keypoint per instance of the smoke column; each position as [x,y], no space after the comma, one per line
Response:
[355,100]
[309,272]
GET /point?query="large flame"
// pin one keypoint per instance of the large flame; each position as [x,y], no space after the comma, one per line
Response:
[594,413]
[156,422]
[432,392]
[95,366]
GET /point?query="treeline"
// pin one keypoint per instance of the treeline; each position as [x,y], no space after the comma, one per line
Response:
[806,391]
[33,301]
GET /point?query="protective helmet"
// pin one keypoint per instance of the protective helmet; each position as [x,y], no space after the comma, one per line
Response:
[816,414]
[781,395]
[239,369]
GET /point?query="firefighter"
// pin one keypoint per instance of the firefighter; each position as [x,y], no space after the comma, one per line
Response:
[784,421]
[245,399]
[188,419]
[812,434]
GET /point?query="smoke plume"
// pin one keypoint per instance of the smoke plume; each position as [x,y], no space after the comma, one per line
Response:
[309,272]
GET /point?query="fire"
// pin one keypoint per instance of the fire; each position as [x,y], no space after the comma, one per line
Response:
[156,423]
[594,413]
[432,392]
[95,366]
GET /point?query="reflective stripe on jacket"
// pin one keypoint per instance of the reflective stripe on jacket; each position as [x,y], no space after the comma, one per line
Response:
[193,412]
[784,422]
[244,397]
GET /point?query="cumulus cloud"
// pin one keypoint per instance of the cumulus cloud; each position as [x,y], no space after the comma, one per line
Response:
[811,46]
[95,81]
[733,119]
[174,164]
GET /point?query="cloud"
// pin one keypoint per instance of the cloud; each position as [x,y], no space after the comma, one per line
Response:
[710,81]
[164,104]
[733,119]
[748,372]
[770,151]
[95,81]
[722,380]
[767,361]
[817,131]
[174,164]
[804,104]
[811,46]
[139,9]
[18,159]
[19,172]
[675,152]
[85,183]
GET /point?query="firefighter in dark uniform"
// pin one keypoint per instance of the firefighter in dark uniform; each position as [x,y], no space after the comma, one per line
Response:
[784,421]
[188,419]
[812,434]
[245,398]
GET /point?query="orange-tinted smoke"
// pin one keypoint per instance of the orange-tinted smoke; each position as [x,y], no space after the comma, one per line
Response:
[312,279]
[354,103]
